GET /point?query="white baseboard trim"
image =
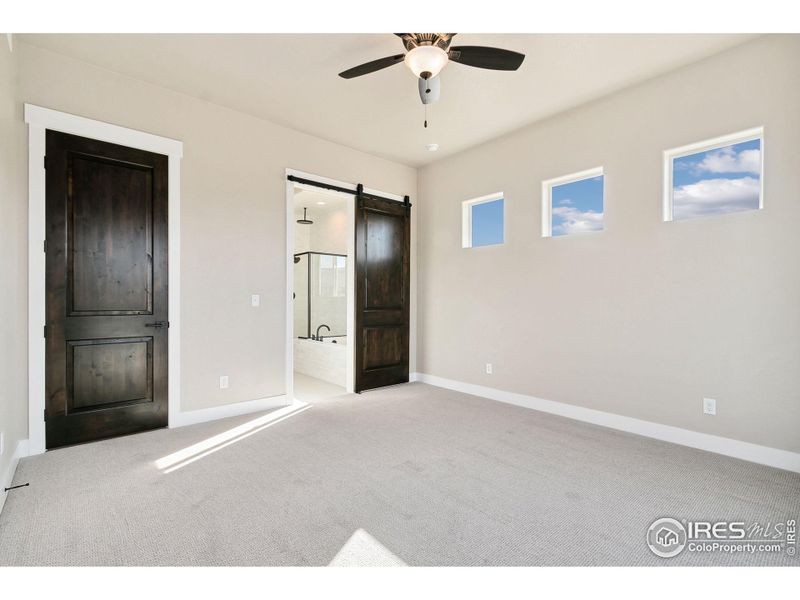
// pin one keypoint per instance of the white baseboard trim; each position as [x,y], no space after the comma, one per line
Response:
[21,451]
[203,415]
[773,457]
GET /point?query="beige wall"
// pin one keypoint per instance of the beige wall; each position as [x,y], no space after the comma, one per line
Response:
[233,215]
[644,318]
[13,265]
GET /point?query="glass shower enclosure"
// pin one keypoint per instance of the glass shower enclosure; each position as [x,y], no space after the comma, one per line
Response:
[320,295]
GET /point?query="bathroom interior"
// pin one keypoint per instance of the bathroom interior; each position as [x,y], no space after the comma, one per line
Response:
[321,289]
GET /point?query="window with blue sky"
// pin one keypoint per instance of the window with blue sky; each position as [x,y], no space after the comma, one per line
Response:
[486,222]
[577,206]
[716,181]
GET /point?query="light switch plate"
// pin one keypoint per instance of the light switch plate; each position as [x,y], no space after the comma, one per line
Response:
[255,300]
[223,382]
[488,368]
[709,406]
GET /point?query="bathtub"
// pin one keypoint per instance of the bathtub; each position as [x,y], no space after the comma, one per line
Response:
[324,360]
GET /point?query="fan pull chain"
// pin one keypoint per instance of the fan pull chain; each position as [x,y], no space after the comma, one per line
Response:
[426,116]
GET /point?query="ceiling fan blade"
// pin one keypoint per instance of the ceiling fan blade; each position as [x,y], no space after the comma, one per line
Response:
[485,57]
[372,66]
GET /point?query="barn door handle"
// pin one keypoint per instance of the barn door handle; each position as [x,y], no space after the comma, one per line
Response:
[157,324]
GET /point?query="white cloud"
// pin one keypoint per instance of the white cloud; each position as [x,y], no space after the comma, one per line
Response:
[565,201]
[727,160]
[715,196]
[576,221]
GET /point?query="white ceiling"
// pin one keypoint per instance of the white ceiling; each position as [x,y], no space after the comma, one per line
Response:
[292,79]
[317,203]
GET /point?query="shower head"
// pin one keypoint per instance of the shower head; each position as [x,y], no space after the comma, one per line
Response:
[304,220]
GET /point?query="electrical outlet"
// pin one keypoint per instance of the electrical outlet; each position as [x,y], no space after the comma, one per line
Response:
[255,300]
[709,406]
[223,382]
[488,368]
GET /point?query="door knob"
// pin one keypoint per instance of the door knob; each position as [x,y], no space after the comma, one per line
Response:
[157,324]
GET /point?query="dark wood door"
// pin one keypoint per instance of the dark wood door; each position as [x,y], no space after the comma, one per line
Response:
[106,285]
[382,257]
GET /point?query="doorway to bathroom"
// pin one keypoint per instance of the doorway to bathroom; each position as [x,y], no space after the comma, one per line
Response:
[348,247]
[322,299]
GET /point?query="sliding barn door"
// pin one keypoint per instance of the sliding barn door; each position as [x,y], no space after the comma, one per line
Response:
[382,258]
[106,332]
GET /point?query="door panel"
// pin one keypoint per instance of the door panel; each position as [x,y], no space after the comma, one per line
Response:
[383,347]
[109,268]
[382,257]
[106,363]
[108,372]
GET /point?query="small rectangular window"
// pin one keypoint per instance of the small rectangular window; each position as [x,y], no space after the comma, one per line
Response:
[714,177]
[483,221]
[573,203]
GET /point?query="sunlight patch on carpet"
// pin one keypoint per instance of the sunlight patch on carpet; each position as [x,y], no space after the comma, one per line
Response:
[190,454]
[363,550]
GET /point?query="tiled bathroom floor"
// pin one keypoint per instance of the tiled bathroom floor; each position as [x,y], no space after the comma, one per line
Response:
[309,389]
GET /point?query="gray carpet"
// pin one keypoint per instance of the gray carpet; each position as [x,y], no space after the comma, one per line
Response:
[412,475]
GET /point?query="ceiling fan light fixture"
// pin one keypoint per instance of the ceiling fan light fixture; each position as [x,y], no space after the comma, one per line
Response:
[426,59]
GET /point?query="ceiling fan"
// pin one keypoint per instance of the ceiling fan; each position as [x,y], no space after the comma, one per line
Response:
[428,53]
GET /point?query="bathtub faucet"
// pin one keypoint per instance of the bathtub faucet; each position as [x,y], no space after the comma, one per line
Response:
[318,336]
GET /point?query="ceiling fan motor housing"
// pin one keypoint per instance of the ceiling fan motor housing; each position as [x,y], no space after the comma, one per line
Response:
[441,40]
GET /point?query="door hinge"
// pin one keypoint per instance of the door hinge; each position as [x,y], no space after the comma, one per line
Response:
[45,332]
[44,244]
[44,160]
